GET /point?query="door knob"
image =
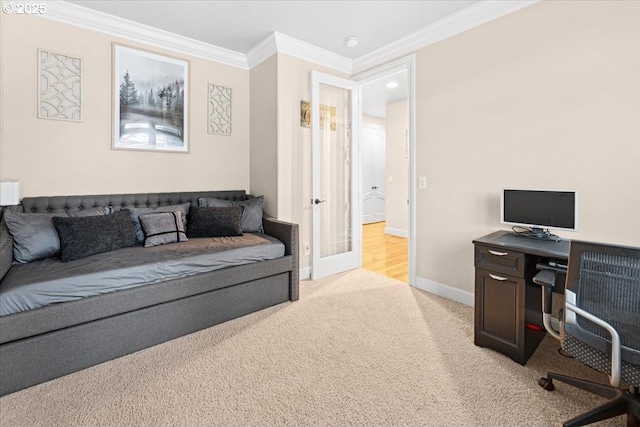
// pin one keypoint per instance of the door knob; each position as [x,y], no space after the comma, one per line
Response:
[374,188]
[318,201]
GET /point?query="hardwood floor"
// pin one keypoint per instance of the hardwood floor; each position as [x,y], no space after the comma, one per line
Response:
[383,253]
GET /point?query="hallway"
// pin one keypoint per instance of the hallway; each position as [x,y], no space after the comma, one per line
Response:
[383,253]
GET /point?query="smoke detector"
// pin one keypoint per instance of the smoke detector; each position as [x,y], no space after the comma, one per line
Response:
[351,41]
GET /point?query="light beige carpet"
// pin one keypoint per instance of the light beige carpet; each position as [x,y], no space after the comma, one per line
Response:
[357,349]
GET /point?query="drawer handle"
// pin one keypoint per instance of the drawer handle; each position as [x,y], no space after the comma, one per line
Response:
[492,252]
[500,278]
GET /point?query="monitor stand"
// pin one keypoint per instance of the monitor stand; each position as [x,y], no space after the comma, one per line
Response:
[536,233]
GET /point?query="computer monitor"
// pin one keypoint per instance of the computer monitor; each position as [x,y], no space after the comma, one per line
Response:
[536,211]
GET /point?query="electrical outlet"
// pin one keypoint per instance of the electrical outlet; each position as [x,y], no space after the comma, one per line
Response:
[307,248]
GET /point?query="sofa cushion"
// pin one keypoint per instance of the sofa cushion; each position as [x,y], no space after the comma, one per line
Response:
[136,212]
[107,210]
[34,236]
[215,222]
[251,216]
[89,235]
[161,228]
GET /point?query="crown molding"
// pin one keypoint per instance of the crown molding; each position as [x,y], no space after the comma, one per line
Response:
[79,16]
[466,19]
[303,50]
[280,43]
[262,51]
[470,17]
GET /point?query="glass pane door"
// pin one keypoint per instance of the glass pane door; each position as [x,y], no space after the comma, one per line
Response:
[336,230]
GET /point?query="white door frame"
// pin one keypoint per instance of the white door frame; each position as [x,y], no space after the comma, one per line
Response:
[409,64]
[324,266]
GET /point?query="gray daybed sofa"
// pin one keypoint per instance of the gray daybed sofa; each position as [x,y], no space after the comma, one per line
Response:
[44,343]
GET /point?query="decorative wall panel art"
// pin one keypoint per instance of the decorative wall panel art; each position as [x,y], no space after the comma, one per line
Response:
[219,110]
[60,86]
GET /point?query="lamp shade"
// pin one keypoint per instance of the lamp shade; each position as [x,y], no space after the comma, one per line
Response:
[9,192]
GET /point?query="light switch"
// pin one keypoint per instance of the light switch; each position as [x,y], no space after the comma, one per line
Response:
[390,179]
[422,182]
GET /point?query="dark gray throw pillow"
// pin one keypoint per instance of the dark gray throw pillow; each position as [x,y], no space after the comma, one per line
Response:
[161,228]
[89,235]
[215,222]
[252,215]
[136,212]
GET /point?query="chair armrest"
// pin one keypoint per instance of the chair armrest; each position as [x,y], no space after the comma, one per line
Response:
[616,350]
[546,278]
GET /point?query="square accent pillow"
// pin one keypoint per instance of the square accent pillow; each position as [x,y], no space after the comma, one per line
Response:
[215,222]
[161,228]
[34,236]
[136,212]
[252,215]
[89,235]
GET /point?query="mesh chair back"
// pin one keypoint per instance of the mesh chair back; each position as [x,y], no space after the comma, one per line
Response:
[609,288]
[606,282]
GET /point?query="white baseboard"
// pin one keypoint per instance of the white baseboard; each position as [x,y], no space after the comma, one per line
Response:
[305,273]
[396,232]
[446,291]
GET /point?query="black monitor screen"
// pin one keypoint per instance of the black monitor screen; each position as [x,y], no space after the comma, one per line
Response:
[555,209]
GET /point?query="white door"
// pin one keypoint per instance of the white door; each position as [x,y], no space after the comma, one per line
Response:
[373,173]
[335,203]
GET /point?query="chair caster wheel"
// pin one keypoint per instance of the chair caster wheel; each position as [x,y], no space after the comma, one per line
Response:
[546,384]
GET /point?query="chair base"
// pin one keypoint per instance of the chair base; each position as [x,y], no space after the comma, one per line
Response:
[620,401]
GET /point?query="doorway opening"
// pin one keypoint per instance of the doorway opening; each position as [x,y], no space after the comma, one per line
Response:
[386,148]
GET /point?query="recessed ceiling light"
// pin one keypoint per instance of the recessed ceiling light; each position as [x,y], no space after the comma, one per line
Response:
[351,41]
[392,85]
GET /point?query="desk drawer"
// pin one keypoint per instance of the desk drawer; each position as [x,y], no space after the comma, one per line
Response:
[500,260]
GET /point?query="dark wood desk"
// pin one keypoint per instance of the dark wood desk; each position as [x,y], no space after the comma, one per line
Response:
[508,305]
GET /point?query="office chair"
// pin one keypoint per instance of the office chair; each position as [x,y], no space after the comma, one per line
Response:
[601,326]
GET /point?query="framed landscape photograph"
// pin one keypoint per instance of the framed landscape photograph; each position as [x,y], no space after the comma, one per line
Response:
[150,101]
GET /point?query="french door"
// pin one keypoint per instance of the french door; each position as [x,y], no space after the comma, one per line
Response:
[335,203]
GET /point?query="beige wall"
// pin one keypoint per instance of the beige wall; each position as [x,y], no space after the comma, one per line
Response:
[264,134]
[547,97]
[397,167]
[55,157]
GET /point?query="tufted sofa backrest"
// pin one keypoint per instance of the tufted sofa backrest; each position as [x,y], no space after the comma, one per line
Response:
[56,204]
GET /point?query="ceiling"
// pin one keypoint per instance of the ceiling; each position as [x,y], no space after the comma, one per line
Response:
[241,25]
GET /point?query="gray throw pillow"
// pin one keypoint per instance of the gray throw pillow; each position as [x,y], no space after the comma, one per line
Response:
[89,235]
[215,222]
[34,236]
[252,215]
[136,212]
[161,228]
